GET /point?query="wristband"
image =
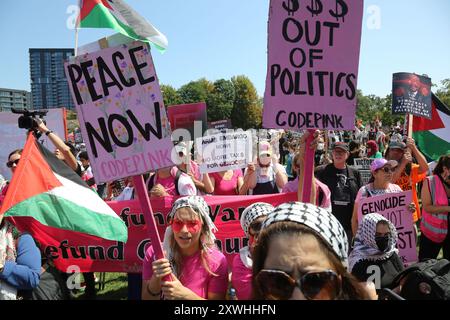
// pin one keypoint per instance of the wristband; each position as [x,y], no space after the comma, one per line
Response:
[48,132]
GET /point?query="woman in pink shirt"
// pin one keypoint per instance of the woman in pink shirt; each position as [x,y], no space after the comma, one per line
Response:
[198,269]
[241,271]
[227,183]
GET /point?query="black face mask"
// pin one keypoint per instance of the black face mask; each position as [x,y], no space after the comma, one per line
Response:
[382,242]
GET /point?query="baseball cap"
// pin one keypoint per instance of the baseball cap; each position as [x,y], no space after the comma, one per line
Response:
[381,162]
[397,145]
[341,145]
[264,148]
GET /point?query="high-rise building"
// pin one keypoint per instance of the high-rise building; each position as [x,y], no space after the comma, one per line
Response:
[11,98]
[49,87]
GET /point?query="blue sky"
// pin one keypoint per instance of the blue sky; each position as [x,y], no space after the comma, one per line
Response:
[220,39]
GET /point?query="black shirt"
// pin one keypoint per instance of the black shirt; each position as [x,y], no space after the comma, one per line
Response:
[344,185]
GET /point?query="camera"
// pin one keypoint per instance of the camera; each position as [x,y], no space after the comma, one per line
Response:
[29,119]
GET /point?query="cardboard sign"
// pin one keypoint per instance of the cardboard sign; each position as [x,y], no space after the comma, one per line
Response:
[225,151]
[411,94]
[394,207]
[121,111]
[363,163]
[191,117]
[312,64]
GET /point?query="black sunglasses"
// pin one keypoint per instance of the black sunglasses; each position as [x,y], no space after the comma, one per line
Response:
[9,164]
[278,285]
[387,169]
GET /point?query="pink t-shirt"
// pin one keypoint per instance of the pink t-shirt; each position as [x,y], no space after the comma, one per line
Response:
[241,279]
[194,275]
[224,187]
[292,186]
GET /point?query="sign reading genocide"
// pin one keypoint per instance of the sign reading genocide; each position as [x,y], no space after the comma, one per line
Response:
[394,207]
[312,64]
[121,111]
[225,151]
[411,94]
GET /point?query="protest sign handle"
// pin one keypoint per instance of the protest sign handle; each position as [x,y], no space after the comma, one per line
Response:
[146,207]
[410,125]
[305,180]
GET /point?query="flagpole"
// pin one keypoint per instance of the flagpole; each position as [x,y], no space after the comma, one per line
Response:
[76,28]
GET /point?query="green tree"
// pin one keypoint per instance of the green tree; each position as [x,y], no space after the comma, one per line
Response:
[443,93]
[220,101]
[196,91]
[170,95]
[247,111]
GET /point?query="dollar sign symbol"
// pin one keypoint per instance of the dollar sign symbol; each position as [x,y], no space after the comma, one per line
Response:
[316,7]
[340,14]
[291,7]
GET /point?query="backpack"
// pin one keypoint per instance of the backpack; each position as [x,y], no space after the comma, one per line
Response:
[151,182]
[427,280]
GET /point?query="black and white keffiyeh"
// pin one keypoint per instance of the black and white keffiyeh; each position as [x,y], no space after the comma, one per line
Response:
[199,205]
[254,211]
[365,247]
[250,214]
[320,220]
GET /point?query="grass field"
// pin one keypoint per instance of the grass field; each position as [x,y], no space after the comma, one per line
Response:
[116,285]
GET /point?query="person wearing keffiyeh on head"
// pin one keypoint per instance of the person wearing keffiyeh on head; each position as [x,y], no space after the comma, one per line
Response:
[197,268]
[375,245]
[302,254]
[241,271]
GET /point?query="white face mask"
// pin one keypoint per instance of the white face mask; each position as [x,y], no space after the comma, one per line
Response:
[264,160]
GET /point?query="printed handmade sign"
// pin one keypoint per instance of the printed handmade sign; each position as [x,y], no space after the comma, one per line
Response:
[363,166]
[225,151]
[411,94]
[69,249]
[121,111]
[312,64]
[191,117]
[394,207]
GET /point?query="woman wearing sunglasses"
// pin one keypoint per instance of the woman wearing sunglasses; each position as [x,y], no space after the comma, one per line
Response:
[13,162]
[241,271]
[375,245]
[197,268]
[302,254]
[379,183]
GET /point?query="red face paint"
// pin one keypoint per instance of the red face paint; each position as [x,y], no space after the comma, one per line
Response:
[192,226]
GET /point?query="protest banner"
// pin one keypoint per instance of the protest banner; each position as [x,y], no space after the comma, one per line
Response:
[68,249]
[121,111]
[411,94]
[225,151]
[363,166]
[220,124]
[191,117]
[394,207]
[313,57]
[14,137]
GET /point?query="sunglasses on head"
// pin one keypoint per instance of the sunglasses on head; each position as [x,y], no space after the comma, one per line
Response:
[387,169]
[278,285]
[9,164]
[192,226]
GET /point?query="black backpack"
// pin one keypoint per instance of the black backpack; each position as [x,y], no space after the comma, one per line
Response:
[427,280]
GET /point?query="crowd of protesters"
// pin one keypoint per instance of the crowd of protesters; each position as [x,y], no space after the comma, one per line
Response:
[295,250]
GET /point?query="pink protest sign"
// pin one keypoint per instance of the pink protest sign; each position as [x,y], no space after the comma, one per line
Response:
[184,116]
[312,64]
[394,207]
[121,111]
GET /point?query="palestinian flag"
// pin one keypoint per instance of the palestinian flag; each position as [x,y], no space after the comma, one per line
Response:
[45,194]
[117,15]
[433,136]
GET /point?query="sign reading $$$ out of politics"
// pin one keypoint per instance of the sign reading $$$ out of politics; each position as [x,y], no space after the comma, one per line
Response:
[313,57]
